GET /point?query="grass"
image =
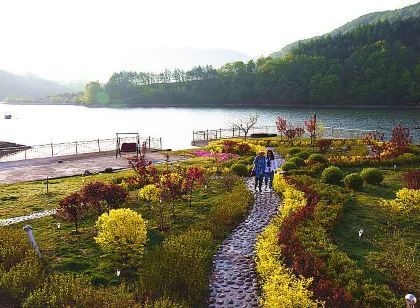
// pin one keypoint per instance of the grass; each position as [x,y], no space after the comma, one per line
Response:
[65,251]
[27,197]
[363,212]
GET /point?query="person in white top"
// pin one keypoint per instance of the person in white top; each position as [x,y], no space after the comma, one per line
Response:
[272,164]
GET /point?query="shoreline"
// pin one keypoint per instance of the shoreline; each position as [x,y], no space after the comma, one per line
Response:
[213,106]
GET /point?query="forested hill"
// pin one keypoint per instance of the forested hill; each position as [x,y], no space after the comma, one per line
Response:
[411,11]
[371,65]
[17,86]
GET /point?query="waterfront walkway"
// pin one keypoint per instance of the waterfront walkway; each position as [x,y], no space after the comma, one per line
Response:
[69,165]
[233,282]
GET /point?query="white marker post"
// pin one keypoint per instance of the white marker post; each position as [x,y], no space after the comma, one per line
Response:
[28,230]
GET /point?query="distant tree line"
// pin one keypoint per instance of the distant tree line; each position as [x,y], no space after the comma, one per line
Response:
[371,65]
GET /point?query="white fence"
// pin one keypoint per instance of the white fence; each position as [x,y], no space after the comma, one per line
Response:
[222,133]
[71,148]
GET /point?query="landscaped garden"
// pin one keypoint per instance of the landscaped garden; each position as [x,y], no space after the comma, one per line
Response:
[347,233]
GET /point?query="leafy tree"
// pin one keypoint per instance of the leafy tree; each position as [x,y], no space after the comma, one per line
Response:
[193,179]
[281,125]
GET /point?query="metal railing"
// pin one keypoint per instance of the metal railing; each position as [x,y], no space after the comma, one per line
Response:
[72,148]
[223,133]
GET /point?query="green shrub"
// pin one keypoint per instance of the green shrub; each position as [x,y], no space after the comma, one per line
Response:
[288,166]
[406,158]
[21,270]
[240,169]
[227,213]
[63,290]
[372,176]
[353,181]
[332,175]
[179,268]
[294,151]
[303,154]
[319,158]
[298,161]
[165,303]
[316,168]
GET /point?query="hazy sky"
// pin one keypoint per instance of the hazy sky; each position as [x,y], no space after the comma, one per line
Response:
[88,39]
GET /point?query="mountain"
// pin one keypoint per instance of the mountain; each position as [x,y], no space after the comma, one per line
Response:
[368,19]
[12,85]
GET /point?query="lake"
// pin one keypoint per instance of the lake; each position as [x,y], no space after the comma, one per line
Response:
[33,125]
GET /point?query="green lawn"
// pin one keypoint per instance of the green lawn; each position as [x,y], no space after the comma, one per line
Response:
[65,251]
[363,212]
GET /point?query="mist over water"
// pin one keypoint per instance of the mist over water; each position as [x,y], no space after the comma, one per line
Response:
[33,125]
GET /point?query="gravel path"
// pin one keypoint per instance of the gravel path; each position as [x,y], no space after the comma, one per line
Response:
[233,282]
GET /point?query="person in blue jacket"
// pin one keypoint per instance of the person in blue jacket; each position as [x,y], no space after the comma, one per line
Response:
[259,169]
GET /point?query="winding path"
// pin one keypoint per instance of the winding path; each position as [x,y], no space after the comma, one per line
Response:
[233,282]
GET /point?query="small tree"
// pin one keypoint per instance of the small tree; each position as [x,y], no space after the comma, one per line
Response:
[194,178]
[92,194]
[311,128]
[400,139]
[114,195]
[245,124]
[150,193]
[72,209]
[281,125]
[122,233]
[171,188]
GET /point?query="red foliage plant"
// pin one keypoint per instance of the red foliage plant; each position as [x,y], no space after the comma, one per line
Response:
[324,145]
[229,146]
[193,179]
[281,125]
[304,263]
[299,131]
[244,148]
[412,179]
[72,208]
[114,195]
[400,138]
[311,127]
[91,195]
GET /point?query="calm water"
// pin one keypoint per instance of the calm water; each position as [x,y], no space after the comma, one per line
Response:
[33,125]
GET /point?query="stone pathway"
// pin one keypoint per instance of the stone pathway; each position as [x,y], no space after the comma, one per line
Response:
[233,282]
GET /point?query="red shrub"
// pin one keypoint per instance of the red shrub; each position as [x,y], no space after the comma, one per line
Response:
[400,138]
[91,195]
[324,145]
[304,263]
[244,148]
[412,179]
[114,195]
[229,146]
[72,208]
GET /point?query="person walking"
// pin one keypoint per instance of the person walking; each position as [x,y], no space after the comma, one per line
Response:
[259,170]
[272,164]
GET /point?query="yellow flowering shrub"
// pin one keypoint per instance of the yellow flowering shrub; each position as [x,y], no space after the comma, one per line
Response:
[150,193]
[122,233]
[293,199]
[280,287]
[407,202]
